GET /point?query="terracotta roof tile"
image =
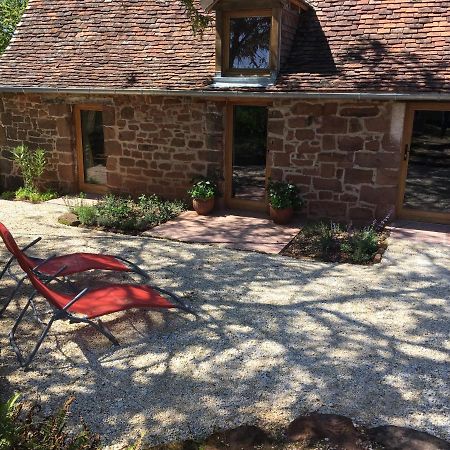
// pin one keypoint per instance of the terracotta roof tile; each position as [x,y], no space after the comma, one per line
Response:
[351,45]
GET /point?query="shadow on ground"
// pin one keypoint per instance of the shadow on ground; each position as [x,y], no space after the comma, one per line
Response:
[274,338]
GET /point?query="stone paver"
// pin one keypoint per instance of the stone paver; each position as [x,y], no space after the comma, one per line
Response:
[252,232]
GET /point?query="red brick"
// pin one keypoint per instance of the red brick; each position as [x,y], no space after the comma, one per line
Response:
[326,184]
[327,170]
[350,143]
[378,195]
[333,125]
[358,176]
[337,210]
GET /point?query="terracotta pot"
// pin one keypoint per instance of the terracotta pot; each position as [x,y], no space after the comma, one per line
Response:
[281,216]
[203,207]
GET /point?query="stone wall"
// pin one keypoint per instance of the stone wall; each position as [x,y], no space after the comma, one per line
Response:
[159,143]
[344,156]
[154,144]
[37,122]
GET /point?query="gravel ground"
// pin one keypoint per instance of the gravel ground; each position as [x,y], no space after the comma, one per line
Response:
[274,337]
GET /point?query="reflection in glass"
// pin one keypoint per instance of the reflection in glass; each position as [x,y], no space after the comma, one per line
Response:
[94,157]
[249,152]
[428,179]
[250,42]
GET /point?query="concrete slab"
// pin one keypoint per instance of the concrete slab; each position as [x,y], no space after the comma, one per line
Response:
[432,233]
[232,230]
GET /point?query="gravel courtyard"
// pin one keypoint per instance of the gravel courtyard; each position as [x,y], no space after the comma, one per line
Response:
[274,337]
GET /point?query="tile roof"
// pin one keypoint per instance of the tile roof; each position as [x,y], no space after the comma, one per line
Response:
[341,46]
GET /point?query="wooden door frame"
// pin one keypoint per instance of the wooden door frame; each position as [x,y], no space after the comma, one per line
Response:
[413,214]
[230,202]
[82,185]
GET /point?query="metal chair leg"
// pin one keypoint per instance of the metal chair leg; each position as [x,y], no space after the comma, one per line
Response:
[7,266]
[99,326]
[25,362]
[11,296]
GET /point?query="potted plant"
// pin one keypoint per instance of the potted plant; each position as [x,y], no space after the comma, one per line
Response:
[284,199]
[203,194]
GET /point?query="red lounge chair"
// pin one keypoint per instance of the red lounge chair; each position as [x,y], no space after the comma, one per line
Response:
[88,304]
[73,263]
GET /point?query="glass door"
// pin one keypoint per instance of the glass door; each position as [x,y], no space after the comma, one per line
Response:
[91,149]
[426,188]
[247,173]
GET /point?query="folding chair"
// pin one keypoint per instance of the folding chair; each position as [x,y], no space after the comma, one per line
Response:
[74,263]
[86,305]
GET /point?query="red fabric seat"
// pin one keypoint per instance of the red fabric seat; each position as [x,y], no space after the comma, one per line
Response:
[107,300]
[78,263]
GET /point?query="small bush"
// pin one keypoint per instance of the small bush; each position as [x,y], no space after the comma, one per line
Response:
[86,214]
[31,165]
[8,195]
[124,214]
[203,189]
[29,195]
[362,245]
[34,196]
[116,212]
[26,429]
[284,195]
[328,236]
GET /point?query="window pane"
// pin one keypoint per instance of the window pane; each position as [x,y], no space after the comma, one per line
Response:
[250,42]
[249,152]
[94,157]
[427,183]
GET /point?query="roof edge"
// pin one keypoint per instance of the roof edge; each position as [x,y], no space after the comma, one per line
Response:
[431,96]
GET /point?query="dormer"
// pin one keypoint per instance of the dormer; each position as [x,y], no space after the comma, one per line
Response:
[253,39]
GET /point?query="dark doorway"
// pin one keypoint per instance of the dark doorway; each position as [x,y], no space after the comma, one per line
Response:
[248,154]
[427,184]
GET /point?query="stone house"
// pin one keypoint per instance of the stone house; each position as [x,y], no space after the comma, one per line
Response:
[348,100]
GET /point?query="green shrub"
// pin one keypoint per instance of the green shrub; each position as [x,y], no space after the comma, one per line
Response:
[203,189]
[362,245]
[156,211]
[124,214]
[26,429]
[34,196]
[116,212]
[86,214]
[284,195]
[8,195]
[31,165]
[328,237]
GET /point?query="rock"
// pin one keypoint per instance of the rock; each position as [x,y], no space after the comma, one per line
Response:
[377,258]
[69,219]
[338,430]
[243,437]
[399,438]
[183,445]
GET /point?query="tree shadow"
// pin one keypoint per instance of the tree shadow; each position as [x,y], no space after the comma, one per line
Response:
[274,338]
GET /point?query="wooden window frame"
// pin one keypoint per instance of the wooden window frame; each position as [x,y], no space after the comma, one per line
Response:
[82,185]
[407,213]
[225,40]
[230,201]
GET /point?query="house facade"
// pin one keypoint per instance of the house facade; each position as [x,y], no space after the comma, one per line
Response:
[352,105]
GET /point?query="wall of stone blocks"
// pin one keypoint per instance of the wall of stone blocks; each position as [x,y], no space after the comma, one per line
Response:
[158,144]
[154,144]
[38,122]
[344,156]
